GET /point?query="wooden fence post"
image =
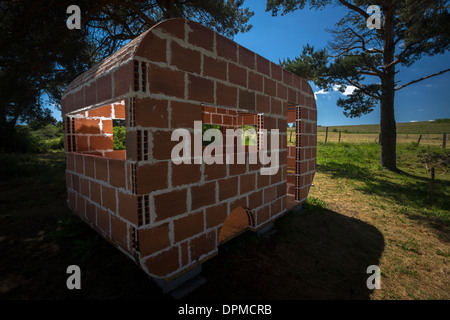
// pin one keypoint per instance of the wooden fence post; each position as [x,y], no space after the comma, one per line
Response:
[444,140]
[339,137]
[420,138]
[326,136]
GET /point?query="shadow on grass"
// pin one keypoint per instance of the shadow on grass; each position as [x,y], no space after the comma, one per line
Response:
[36,268]
[39,239]
[343,170]
[315,254]
[405,189]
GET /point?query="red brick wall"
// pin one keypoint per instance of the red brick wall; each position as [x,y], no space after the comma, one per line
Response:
[91,132]
[301,158]
[227,118]
[170,216]
[100,193]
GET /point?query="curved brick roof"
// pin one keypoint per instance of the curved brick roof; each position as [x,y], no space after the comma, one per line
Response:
[176,43]
[120,57]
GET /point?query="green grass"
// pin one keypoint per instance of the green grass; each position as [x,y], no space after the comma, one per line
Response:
[416,231]
[408,271]
[314,203]
[407,190]
[441,253]
[410,245]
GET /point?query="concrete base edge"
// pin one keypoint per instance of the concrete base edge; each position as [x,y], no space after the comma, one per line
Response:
[182,285]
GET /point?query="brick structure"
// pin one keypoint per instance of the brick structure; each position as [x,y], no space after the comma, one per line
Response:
[170,218]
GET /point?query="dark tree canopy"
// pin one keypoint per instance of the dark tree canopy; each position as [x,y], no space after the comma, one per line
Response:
[40,55]
[366,59]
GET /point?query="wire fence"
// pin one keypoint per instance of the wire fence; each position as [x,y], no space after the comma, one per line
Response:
[422,139]
[343,137]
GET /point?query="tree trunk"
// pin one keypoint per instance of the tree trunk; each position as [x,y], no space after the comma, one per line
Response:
[7,131]
[4,129]
[388,136]
[6,134]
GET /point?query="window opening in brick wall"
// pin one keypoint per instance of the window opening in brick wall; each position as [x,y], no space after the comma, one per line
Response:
[207,126]
[100,131]
[250,136]
[294,154]
[291,138]
[225,118]
[119,134]
[291,134]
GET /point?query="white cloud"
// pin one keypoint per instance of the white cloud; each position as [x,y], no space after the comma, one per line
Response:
[414,121]
[320,92]
[420,110]
[348,91]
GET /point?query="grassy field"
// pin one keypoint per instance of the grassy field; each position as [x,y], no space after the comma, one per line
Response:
[429,133]
[402,128]
[426,139]
[415,260]
[357,215]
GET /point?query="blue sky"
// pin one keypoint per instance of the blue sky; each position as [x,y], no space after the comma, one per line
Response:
[281,37]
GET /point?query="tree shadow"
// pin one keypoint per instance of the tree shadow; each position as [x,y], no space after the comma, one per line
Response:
[343,170]
[40,238]
[37,268]
[315,254]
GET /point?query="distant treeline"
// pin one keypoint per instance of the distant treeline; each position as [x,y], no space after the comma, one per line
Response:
[35,138]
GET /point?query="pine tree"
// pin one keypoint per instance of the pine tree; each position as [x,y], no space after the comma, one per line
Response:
[40,56]
[367,58]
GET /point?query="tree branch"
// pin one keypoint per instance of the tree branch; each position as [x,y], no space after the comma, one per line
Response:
[355,8]
[367,73]
[421,79]
[350,47]
[141,15]
[361,87]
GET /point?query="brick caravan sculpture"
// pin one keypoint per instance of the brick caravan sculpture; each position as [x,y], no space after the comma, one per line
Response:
[170,218]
